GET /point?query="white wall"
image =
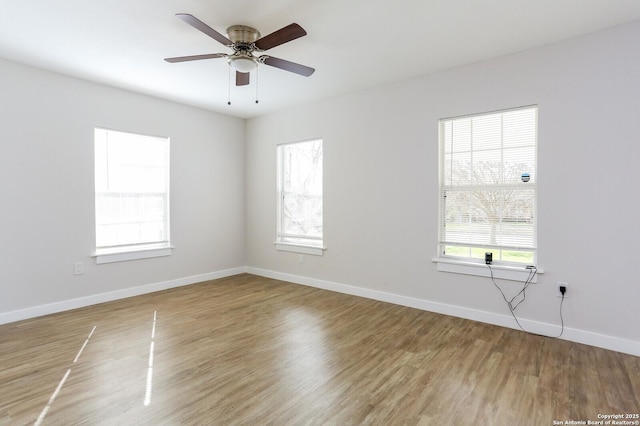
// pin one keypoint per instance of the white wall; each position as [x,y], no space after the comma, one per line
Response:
[381,187]
[47,193]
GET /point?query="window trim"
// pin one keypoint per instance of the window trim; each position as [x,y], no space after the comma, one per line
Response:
[472,266]
[135,251]
[300,248]
[286,242]
[131,252]
[500,271]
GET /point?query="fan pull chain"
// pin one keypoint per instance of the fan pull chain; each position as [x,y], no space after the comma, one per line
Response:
[229,87]
[257,84]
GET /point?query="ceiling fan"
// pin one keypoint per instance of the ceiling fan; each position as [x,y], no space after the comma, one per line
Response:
[245,41]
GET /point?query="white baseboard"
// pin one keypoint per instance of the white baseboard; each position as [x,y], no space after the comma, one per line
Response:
[571,334]
[51,308]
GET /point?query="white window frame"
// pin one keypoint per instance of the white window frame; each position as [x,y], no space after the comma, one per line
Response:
[142,249]
[291,242]
[472,264]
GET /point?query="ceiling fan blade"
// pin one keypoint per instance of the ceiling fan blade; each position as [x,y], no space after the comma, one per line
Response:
[196,57]
[287,65]
[242,78]
[199,25]
[283,35]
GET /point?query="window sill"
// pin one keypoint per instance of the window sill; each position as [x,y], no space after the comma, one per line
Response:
[122,254]
[300,248]
[513,273]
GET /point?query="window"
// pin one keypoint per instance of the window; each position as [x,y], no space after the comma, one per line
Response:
[488,187]
[132,195]
[299,226]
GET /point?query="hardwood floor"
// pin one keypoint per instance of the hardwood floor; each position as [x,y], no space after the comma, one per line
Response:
[251,350]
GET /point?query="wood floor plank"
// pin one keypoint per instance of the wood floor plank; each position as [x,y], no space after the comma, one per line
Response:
[251,350]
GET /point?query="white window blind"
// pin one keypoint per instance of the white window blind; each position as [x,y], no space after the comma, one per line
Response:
[131,189]
[300,193]
[488,186]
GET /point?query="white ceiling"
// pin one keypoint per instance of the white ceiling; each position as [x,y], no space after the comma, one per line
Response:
[352,44]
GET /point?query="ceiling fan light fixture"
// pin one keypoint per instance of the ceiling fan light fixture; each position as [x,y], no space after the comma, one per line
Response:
[243,63]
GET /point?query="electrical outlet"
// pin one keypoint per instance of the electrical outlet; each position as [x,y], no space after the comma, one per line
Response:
[301,259]
[566,287]
[77,268]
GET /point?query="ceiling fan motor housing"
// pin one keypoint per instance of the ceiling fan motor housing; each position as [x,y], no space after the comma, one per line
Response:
[242,34]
